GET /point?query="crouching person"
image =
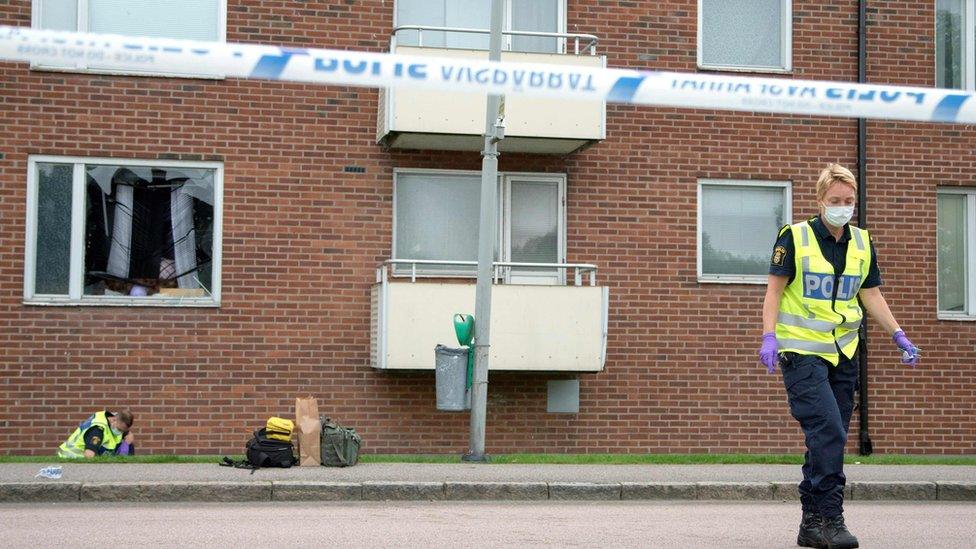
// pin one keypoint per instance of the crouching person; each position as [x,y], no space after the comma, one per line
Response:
[103,433]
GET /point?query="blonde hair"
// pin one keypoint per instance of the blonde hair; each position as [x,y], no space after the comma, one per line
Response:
[834,173]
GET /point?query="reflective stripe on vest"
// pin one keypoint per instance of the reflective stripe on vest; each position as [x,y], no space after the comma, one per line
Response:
[819,311]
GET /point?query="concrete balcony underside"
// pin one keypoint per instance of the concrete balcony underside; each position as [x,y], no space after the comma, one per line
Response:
[437,120]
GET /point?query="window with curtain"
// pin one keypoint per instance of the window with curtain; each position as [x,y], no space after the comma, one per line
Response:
[437,214]
[533,227]
[956,252]
[745,34]
[102,232]
[953,33]
[521,15]
[739,222]
[182,19]
[437,218]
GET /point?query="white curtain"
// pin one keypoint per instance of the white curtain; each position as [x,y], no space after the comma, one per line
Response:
[189,19]
[59,15]
[538,16]
[745,33]
[120,251]
[535,222]
[437,217]
[184,238]
[951,256]
[739,226]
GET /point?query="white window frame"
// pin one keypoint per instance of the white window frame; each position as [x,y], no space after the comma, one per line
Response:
[503,219]
[787,188]
[561,12]
[786,47]
[82,19]
[968,45]
[76,294]
[969,313]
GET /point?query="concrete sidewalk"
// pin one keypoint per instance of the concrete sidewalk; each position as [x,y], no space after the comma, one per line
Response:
[412,481]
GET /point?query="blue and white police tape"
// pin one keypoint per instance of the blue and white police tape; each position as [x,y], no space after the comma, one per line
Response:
[774,95]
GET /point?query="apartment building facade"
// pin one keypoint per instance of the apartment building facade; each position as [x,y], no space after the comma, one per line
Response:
[204,249]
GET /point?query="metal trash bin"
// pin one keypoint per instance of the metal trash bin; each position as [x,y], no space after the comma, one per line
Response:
[451,374]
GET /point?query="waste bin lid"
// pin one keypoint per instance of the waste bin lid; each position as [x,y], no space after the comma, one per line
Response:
[444,350]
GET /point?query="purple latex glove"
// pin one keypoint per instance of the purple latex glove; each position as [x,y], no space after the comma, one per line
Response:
[767,353]
[909,352]
[123,449]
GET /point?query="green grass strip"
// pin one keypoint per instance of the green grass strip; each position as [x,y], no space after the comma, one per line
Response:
[674,459]
[554,459]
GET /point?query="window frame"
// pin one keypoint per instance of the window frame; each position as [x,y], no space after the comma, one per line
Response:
[969,312]
[559,277]
[502,220]
[968,47]
[562,26]
[76,296]
[786,47]
[82,22]
[787,189]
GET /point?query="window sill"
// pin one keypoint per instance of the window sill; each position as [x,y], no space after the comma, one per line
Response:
[956,316]
[109,72]
[732,279]
[124,302]
[757,70]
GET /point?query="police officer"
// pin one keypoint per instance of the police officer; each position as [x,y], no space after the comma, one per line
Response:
[811,317]
[102,432]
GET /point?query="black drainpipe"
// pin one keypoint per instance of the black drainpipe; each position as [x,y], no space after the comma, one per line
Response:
[864,447]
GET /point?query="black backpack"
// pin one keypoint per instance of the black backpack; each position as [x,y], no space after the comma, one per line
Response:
[262,451]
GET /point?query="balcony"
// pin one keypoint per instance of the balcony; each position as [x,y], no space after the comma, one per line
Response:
[556,328]
[438,120]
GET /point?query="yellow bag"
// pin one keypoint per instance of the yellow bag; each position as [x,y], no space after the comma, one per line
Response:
[279,428]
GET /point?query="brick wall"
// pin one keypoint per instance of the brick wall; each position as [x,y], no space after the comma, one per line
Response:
[302,237]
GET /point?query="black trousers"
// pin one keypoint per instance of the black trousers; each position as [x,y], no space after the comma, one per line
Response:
[821,399]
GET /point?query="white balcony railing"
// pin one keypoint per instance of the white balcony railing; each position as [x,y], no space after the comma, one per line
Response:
[501,270]
[589,41]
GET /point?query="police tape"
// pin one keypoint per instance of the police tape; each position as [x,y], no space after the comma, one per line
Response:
[380,70]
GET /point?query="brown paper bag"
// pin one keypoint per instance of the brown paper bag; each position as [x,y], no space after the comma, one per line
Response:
[308,429]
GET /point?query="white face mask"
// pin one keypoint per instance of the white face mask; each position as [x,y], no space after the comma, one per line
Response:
[115,431]
[838,216]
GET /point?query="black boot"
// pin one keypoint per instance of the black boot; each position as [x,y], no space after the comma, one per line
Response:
[837,535]
[811,531]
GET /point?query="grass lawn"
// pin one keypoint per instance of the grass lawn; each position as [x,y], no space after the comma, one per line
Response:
[571,459]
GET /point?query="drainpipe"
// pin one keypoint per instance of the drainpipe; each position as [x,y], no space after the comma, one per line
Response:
[864,439]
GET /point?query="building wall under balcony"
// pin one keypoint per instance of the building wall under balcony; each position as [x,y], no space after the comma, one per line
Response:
[533,328]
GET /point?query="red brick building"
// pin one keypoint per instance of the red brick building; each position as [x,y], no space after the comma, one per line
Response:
[278,202]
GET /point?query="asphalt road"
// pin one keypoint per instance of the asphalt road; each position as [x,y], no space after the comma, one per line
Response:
[464,524]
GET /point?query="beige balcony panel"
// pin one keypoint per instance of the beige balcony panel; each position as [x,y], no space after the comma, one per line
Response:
[533,328]
[423,119]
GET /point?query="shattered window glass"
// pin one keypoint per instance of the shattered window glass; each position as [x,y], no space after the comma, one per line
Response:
[148,231]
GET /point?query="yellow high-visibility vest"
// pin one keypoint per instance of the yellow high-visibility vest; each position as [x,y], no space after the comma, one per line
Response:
[811,320]
[74,447]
